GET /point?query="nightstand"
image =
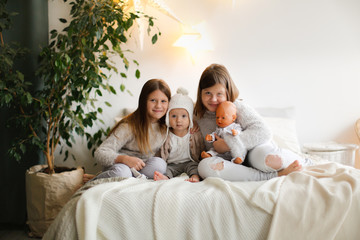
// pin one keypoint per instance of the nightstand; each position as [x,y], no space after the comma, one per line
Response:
[332,151]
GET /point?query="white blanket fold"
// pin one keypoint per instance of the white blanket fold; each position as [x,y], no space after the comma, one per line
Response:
[320,202]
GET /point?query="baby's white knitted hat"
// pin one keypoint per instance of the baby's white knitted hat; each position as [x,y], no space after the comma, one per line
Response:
[181,100]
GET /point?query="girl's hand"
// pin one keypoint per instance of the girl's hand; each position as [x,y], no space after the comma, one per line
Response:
[220,145]
[133,162]
[195,128]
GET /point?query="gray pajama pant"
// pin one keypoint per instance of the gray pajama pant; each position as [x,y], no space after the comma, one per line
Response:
[121,170]
[175,169]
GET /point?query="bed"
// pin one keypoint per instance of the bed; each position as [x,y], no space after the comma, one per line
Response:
[320,202]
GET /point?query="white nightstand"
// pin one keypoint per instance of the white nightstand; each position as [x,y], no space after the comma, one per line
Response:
[332,151]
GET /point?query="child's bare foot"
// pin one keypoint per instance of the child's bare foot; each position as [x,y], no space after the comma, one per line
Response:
[87,177]
[238,160]
[193,178]
[293,167]
[159,176]
[205,154]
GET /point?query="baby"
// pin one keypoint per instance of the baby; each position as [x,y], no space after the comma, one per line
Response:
[226,129]
[181,150]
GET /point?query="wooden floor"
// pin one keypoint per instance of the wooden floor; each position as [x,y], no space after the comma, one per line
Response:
[15,234]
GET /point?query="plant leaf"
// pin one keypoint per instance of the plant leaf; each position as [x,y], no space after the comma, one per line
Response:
[154,39]
[137,73]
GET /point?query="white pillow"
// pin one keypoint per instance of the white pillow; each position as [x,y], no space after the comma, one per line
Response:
[287,112]
[284,133]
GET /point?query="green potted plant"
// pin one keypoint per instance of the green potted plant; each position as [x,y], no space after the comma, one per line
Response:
[10,78]
[74,71]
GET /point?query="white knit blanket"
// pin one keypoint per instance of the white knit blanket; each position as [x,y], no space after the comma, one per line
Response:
[172,209]
[321,202]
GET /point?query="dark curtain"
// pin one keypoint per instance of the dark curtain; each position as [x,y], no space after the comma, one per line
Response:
[30,29]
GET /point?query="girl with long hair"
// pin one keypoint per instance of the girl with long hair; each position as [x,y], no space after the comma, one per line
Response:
[129,149]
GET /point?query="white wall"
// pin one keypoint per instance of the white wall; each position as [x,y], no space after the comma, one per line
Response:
[280,53]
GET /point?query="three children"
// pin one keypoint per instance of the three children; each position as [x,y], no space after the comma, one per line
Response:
[160,127]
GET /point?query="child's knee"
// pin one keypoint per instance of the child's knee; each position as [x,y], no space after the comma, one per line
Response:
[210,167]
[157,163]
[120,170]
[154,164]
[274,161]
[217,166]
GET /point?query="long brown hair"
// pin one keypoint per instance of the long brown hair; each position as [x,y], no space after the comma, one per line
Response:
[213,74]
[139,121]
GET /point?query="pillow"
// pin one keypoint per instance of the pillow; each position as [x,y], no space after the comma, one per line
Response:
[284,133]
[288,112]
[283,126]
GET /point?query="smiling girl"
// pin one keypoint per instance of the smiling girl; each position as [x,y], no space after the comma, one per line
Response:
[265,158]
[131,145]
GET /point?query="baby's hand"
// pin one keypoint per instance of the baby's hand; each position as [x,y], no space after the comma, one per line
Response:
[234,132]
[195,128]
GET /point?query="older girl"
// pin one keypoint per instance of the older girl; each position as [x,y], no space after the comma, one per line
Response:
[268,160]
[132,143]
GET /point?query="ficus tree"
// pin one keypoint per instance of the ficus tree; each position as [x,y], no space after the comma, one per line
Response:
[74,71]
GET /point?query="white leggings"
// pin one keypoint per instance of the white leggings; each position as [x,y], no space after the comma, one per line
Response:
[257,157]
[218,167]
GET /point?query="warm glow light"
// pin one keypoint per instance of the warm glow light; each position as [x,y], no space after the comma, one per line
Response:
[187,40]
[195,41]
[140,6]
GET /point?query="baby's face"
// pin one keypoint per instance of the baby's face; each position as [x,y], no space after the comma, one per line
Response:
[179,119]
[224,117]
